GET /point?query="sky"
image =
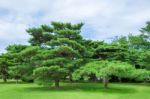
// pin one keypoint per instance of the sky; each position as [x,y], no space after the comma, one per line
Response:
[103,19]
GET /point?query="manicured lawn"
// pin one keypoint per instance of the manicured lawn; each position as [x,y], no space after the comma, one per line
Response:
[75,91]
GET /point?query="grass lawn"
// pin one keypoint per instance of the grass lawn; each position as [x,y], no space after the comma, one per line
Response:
[75,91]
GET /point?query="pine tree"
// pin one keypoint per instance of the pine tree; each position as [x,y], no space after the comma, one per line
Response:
[61,52]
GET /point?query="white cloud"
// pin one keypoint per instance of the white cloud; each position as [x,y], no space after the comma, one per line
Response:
[103,19]
[9,31]
[12,33]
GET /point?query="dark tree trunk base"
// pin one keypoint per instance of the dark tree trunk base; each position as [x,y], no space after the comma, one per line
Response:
[57,83]
[105,82]
[5,80]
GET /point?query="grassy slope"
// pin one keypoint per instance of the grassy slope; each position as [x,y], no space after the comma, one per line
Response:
[75,91]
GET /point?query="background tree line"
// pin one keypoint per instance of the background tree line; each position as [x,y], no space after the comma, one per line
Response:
[59,53]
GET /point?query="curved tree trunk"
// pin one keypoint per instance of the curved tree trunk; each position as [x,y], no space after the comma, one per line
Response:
[105,82]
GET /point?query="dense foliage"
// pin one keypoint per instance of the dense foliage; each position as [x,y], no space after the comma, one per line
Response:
[59,53]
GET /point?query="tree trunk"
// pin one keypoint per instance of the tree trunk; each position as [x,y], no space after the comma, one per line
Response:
[119,79]
[5,79]
[70,78]
[57,83]
[105,82]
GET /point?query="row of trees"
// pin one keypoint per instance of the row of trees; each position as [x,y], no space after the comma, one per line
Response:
[58,52]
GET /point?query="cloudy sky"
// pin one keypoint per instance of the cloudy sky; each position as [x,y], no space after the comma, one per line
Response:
[103,19]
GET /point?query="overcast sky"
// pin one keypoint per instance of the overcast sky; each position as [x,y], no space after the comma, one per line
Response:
[103,19]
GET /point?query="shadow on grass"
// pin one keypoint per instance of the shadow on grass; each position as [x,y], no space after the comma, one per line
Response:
[13,82]
[84,87]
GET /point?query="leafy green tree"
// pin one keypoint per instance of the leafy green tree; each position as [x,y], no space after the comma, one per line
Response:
[143,59]
[56,51]
[122,41]
[146,32]
[111,52]
[5,62]
[14,49]
[23,63]
[62,53]
[45,33]
[138,42]
[141,75]
[104,70]
[44,75]
[28,63]
[136,49]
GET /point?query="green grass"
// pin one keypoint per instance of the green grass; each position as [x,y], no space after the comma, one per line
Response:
[74,91]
